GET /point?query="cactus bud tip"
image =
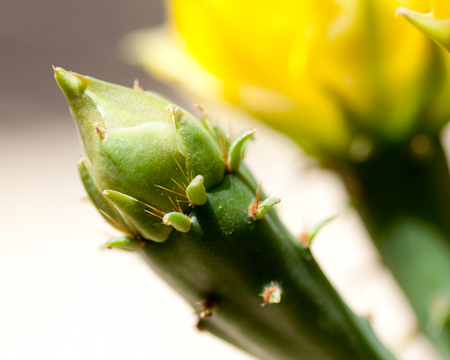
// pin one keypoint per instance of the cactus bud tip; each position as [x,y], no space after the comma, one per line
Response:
[72,84]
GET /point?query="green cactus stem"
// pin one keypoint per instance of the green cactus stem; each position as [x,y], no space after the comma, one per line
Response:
[228,258]
[403,197]
[228,254]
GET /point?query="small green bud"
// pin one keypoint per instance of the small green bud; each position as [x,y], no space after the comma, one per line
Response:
[196,192]
[237,148]
[178,221]
[306,238]
[132,148]
[265,206]
[320,225]
[124,243]
[258,209]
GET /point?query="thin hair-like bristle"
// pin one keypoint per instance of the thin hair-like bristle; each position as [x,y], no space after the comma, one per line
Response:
[182,171]
[173,192]
[223,146]
[175,207]
[155,209]
[119,225]
[152,213]
[258,193]
[180,186]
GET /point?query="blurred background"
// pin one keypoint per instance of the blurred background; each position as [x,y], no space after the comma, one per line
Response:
[61,295]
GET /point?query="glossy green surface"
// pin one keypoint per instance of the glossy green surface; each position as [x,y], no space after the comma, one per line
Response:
[228,258]
[140,154]
[404,199]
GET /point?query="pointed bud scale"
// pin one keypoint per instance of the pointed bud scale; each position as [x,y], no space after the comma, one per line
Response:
[213,129]
[306,238]
[319,227]
[145,219]
[178,221]
[236,151]
[202,154]
[265,206]
[106,209]
[196,192]
[436,29]
[124,243]
[132,146]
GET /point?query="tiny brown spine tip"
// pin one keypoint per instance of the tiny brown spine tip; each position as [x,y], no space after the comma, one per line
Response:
[102,133]
[304,239]
[200,326]
[200,107]
[203,112]
[253,210]
[271,295]
[208,309]
[253,207]
[136,86]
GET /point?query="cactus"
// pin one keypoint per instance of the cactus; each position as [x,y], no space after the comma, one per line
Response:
[356,87]
[177,189]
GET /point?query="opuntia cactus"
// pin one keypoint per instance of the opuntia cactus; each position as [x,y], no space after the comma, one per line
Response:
[176,187]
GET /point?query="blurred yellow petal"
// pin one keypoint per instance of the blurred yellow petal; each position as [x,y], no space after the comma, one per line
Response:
[216,31]
[323,71]
[155,51]
[440,8]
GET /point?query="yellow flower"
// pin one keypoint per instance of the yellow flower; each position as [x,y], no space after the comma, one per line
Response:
[324,72]
[440,9]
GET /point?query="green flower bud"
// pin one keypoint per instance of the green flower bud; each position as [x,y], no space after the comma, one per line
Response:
[196,192]
[138,145]
[436,29]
